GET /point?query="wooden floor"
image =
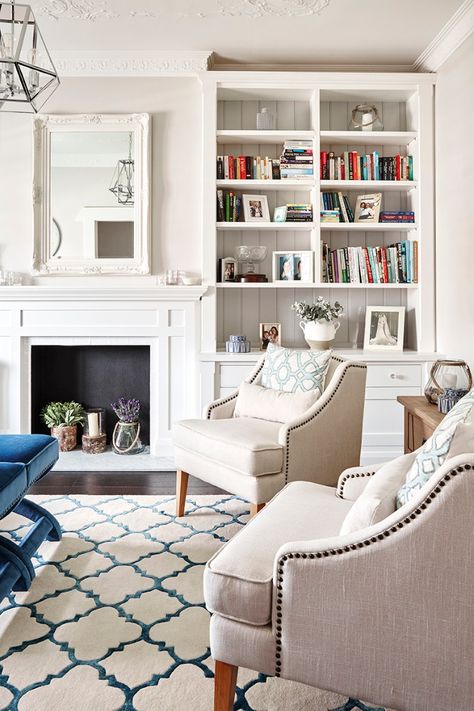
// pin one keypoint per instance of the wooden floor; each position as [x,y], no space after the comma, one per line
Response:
[116,483]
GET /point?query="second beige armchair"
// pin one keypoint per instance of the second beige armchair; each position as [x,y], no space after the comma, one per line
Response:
[255,458]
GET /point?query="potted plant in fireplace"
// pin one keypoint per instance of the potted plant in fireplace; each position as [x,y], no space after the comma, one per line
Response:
[62,418]
[126,434]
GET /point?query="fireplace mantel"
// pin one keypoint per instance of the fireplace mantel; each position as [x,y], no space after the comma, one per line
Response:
[84,292]
[167,319]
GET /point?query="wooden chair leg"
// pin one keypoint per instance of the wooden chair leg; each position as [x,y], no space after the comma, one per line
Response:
[181,491]
[225,680]
[255,508]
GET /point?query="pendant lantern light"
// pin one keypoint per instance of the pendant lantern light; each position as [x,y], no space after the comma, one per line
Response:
[123,180]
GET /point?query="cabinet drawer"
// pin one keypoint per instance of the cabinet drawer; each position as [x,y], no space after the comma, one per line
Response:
[391,375]
[232,375]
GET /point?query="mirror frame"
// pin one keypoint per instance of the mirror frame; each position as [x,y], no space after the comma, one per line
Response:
[44,126]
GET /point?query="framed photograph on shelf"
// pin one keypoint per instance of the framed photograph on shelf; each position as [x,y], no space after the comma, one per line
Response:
[227,270]
[384,328]
[269,333]
[293,266]
[280,213]
[256,208]
[367,208]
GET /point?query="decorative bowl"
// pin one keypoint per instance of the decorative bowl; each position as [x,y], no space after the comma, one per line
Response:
[250,254]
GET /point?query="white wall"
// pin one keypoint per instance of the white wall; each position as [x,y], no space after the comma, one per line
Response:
[175,104]
[454,204]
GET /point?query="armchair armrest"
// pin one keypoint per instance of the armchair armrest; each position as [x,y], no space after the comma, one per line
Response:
[223,408]
[327,438]
[379,613]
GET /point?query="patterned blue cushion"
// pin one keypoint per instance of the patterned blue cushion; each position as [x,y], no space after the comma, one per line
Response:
[295,370]
[435,450]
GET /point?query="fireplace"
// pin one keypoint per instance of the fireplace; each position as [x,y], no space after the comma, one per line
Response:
[93,375]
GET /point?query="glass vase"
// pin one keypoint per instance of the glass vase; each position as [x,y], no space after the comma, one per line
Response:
[365,117]
[126,438]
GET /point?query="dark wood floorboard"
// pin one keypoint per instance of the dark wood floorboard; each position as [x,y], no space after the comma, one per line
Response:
[116,483]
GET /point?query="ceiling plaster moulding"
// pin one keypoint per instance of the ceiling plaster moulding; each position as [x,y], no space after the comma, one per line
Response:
[453,34]
[242,67]
[94,10]
[131,63]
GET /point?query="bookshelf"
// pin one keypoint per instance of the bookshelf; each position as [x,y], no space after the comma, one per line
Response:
[316,107]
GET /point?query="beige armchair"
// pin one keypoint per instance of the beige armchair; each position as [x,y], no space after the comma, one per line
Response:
[384,614]
[255,458]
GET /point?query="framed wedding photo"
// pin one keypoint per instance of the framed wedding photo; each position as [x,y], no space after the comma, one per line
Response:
[367,208]
[384,328]
[227,269]
[256,208]
[293,266]
[269,333]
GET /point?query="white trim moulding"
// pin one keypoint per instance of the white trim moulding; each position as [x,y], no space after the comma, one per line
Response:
[118,63]
[453,34]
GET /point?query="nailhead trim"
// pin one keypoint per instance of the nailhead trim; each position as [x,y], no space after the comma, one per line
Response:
[356,475]
[302,424]
[346,549]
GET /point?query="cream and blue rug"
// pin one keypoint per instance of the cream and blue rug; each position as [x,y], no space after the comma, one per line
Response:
[115,618]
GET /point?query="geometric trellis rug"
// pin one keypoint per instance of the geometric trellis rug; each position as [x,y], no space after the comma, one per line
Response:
[115,618]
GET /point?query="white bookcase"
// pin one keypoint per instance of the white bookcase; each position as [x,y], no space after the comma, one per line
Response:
[316,107]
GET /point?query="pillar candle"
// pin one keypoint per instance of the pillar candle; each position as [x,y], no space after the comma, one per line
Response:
[93,420]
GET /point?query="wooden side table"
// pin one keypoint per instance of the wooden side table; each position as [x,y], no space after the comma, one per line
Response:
[421,419]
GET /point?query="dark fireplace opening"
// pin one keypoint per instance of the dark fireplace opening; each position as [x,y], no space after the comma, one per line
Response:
[94,376]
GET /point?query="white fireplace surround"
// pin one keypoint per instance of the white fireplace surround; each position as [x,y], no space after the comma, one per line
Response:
[167,319]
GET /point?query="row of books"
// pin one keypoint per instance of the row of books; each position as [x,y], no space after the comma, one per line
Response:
[299,212]
[400,216]
[296,160]
[338,206]
[229,206]
[352,166]
[396,264]
[247,168]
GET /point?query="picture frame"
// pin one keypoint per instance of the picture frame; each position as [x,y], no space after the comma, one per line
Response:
[269,332]
[367,208]
[280,213]
[255,208]
[227,269]
[384,328]
[293,266]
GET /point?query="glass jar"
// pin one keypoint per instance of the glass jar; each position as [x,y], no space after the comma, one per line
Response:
[264,120]
[365,117]
[94,421]
[447,375]
[126,438]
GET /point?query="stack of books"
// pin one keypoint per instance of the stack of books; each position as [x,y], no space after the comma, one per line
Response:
[299,213]
[339,202]
[352,166]
[396,264]
[296,160]
[247,168]
[400,216]
[229,206]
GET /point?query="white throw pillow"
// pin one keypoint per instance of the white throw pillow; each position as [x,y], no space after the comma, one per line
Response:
[295,370]
[378,499]
[272,405]
[436,449]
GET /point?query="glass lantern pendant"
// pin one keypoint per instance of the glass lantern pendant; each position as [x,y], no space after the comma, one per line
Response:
[27,74]
[123,181]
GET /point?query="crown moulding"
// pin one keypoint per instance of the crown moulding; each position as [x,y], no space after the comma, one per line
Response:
[458,28]
[71,63]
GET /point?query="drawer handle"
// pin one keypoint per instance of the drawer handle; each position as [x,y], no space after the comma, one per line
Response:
[395,376]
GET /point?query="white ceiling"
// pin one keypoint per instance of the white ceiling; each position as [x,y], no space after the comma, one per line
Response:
[251,31]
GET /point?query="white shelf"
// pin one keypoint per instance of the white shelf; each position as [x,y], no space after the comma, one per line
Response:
[344,351]
[312,285]
[360,227]
[366,185]
[266,226]
[368,138]
[263,136]
[293,185]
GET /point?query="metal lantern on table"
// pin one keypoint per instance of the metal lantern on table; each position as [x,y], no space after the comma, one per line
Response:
[454,375]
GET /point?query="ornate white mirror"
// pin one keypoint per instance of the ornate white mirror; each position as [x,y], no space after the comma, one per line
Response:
[91,194]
